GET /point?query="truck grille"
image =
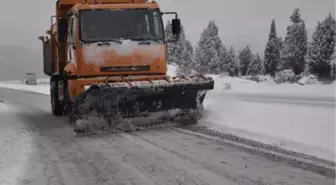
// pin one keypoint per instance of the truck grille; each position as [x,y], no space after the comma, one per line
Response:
[125,68]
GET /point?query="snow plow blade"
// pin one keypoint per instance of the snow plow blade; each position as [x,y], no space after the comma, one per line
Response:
[112,103]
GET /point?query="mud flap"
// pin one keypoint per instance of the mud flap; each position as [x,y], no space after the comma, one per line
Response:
[113,102]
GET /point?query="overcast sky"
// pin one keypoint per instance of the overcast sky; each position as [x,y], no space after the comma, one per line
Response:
[22,21]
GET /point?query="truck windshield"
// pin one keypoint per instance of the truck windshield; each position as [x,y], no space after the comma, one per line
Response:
[105,25]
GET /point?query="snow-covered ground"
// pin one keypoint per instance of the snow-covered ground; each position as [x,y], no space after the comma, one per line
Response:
[42,87]
[239,85]
[307,129]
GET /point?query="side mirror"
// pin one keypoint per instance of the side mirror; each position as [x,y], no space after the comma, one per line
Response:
[41,38]
[176,26]
[62,30]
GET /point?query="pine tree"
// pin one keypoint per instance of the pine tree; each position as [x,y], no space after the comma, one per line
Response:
[245,58]
[181,51]
[322,48]
[272,51]
[308,56]
[187,59]
[256,67]
[333,66]
[314,51]
[295,45]
[172,47]
[231,62]
[208,50]
[223,58]
[280,64]
[280,42]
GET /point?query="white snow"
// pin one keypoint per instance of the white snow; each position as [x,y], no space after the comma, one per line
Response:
[16,145]
[172,70]
[311,79]
[40,88]
[302,128]
[306,129]
[240,85]
[94,54]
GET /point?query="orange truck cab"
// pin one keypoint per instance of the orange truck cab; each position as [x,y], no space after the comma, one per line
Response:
[101,41]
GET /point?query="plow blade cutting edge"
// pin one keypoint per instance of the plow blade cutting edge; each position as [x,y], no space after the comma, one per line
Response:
[112,103]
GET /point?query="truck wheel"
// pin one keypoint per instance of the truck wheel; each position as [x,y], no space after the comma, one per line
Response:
[56,107]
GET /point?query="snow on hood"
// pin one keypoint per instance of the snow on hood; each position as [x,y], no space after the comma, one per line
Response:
[172,69]
[94,54]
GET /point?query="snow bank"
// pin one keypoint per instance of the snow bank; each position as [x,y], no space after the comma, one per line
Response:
[310,79]
[241,85]
[305,129]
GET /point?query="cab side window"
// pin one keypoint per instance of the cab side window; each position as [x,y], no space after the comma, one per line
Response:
[72,38]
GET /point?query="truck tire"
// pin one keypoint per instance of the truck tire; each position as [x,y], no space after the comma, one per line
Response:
[56,107]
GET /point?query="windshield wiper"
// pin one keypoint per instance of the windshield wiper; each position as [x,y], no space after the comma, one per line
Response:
[103,43]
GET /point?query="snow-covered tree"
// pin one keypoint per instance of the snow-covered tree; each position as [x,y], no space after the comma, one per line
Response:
[222,58]
[231,62]
[280,42]
[245,58]
[295,45]
[308,58]
[315,53]
[272,51]
[208,50]
[256,67]
[172,47]
[187,60]
[333,66]
[322,48]
[181,51]
[281,63]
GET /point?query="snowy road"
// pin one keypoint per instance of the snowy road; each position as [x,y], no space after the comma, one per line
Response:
[37,148]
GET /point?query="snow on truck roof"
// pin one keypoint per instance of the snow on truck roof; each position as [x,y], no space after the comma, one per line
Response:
[73,2]
[115,6]
[97,4]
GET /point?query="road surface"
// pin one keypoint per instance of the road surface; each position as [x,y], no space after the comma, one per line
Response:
[39,149]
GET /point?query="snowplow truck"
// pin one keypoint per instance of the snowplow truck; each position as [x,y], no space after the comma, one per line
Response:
[107,60]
